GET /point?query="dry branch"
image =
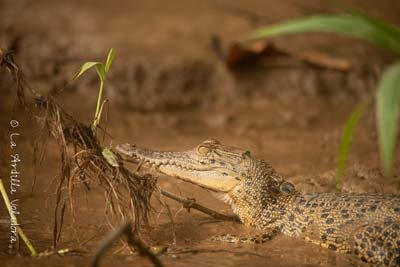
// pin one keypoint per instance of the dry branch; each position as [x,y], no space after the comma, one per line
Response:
[191,204]
[124,229]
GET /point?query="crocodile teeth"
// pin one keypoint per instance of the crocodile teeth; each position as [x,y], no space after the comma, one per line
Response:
[163,162]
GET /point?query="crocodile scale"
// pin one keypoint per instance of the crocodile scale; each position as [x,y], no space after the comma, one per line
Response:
[367,225]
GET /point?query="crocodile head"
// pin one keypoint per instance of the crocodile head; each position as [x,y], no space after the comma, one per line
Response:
[211,164]
[255,191]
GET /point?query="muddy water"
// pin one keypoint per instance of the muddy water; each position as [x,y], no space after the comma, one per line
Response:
[168,91]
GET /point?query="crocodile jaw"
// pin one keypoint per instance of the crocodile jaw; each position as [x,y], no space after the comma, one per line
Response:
[183,166]
[207,179]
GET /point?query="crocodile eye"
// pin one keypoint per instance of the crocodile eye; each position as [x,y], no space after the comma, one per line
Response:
[203,150]
[287,188]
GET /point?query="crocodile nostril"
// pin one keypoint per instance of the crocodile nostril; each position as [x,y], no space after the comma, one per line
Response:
[246,154]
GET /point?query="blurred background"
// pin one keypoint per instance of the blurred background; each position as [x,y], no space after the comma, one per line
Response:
[178,78]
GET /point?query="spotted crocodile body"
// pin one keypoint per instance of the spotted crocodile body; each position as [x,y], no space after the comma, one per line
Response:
[367,225]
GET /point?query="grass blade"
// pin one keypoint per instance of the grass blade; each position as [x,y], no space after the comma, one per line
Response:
[347,138]
[355,25]
[101,72]
[15,221]
[387,112]
[110,59]
[86,66]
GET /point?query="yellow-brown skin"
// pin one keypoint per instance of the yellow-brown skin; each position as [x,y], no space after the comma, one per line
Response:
[367,225]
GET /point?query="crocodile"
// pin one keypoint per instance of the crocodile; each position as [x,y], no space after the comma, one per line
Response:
[366,225]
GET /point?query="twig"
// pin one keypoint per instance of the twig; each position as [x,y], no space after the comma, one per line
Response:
[124,229]
[191,204]
[61,252]
[14,220]
[194,251]
[142,249]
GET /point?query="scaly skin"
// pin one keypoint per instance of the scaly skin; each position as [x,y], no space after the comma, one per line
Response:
[367,225]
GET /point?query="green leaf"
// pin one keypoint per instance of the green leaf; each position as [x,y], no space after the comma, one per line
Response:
[387,112]
[110,59]
[110,157]
[101,72]
[347,138]
[86,66]
[355,25]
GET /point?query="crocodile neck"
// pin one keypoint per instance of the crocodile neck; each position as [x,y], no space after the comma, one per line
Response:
[262,201]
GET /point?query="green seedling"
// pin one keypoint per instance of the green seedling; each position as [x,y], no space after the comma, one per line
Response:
[102,69]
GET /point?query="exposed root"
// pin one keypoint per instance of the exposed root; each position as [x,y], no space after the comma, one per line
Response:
[82,160]
[171,218]
[87,165]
